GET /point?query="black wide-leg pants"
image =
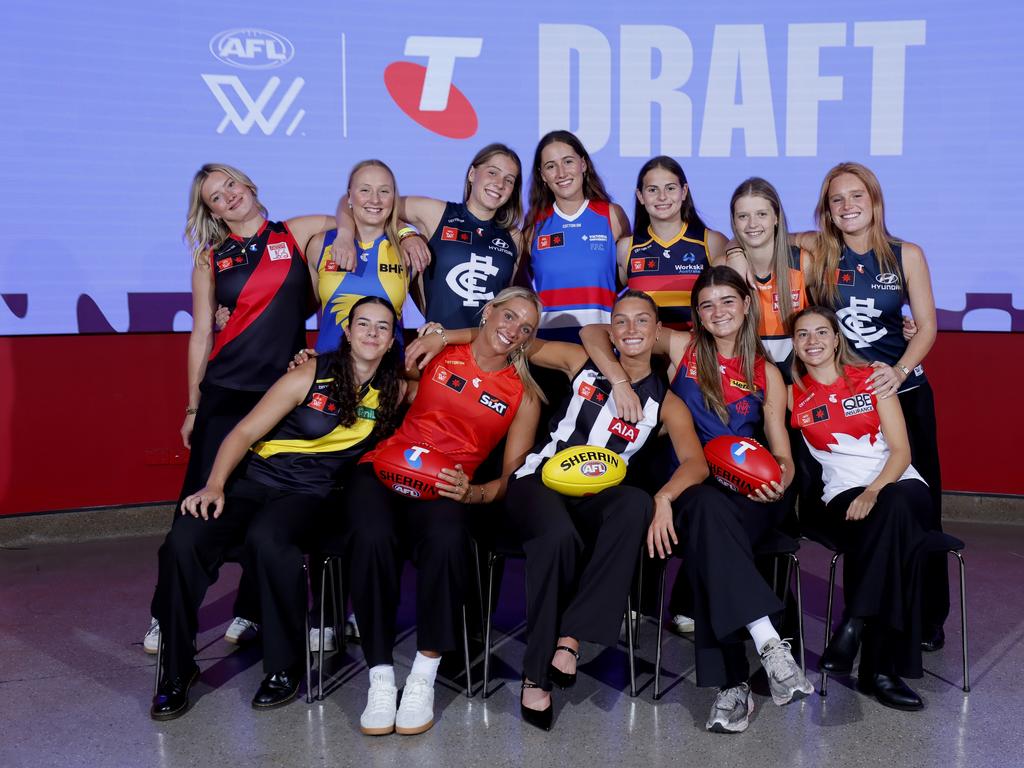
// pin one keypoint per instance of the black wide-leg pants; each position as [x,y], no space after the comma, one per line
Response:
[580,557]
[381,530]
[882,571]
[274,526]
[717,530]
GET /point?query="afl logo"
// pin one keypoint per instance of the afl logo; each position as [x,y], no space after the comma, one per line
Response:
[405,490]
[252,48]
[593,468]
[887,278]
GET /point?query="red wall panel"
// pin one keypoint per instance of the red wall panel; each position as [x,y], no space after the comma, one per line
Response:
[90,421]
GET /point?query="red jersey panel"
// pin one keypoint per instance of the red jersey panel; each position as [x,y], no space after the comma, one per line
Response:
[843,431]
[460,410]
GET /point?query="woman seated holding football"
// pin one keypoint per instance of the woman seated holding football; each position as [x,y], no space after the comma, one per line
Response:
[721,373]
[877,507]
[470,397]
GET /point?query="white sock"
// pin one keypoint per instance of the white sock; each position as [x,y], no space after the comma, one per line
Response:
[387,671]
[762,631]
[425,667]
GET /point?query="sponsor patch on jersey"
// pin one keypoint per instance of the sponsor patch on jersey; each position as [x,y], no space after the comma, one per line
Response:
[556,240]
[740,385]
[362,412]
[449,379]
[624,429]
[846,277]
[395,269]
[321,402]
[592,393]
[496,404]
[813,416]
[645,264]
[332,266]
[279,251]
[861,403]
[453,234]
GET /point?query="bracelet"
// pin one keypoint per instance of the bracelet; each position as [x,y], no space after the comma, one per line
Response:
[620,381]
[191,411]
[444,337]
[735,249]
[405,232]
[904,369]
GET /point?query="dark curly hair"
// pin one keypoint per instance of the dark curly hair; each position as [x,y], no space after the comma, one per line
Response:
[347,391]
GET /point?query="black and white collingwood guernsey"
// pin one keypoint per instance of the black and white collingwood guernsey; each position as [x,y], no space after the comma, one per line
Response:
[587,417]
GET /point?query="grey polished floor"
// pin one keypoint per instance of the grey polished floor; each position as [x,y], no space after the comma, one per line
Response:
[75,685]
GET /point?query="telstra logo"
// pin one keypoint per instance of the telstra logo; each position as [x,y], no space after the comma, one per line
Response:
[426,93]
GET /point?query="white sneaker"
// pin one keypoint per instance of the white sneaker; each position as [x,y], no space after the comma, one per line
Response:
[241,631]
[785,678]
[681,625]
[330,642]
[416,713]
[378,719]
[351,628]
[151,642]
[732,709]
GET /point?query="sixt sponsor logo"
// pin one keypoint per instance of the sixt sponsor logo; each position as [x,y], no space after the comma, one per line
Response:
[587,457]
[252,48]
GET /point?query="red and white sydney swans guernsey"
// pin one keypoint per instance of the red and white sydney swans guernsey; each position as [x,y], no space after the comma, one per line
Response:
[841,427]
[459,410]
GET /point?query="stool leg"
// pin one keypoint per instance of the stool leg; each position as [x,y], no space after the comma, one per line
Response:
[629,641]
[661,622]
[639,598]
[326,572]
[963,618]
[491,558]
[465,651]
[799,611]
[828,618]
[159,659]
[309,654]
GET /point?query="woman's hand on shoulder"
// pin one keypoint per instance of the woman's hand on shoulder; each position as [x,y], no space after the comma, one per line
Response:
[415,252]
[627,403]
[430,341]
[302,356]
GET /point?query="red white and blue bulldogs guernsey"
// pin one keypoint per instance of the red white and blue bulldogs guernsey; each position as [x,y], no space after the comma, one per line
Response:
[841,427]
[574,270]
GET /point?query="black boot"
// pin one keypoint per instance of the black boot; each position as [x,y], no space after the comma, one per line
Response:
[277,689]
[171,698]
[842,648]
[890,691]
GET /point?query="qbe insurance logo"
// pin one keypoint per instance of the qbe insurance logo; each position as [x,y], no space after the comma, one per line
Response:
[254,49]
[427,93]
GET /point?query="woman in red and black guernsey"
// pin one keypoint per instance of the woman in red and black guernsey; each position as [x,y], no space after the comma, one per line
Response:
[721,374]
[308,430]
[256,269]
[866,275]
[877,507]
[470,396]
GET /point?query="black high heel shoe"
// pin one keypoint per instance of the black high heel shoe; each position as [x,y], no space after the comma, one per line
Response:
[538,718]
[562,679]
[842,648]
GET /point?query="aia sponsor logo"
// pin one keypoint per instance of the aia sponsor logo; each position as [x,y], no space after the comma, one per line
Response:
[427,93]
[624,429]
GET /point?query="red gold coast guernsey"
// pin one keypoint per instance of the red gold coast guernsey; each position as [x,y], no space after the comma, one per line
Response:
[460,410]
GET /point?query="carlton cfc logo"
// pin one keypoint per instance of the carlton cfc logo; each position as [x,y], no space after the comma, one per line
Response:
[427,93]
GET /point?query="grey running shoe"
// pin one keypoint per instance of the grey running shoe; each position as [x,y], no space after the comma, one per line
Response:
[785,679]
[732,709]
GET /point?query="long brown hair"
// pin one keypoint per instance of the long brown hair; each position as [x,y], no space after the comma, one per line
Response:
[540,196]
[829,241]
[508,216]
[755,186]
[748,344]
[203,231]
[843,355]
[688,211]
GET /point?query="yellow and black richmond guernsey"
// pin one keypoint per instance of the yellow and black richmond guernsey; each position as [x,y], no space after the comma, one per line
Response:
[309,451]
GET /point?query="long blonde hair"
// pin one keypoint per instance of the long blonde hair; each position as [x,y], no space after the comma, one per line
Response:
[518,357]
[829,240]
[510,215]
[391,225]
[203,231]
[843,355]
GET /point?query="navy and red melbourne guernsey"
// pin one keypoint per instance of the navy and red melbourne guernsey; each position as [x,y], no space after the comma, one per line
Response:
[265,283]
[744,400]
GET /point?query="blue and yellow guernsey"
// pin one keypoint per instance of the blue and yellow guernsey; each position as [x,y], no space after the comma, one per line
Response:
[309,451]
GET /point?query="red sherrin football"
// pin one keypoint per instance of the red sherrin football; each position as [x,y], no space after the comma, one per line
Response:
[410,469]
[741,463]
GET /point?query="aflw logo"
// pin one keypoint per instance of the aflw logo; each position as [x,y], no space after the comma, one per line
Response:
[427,94]
[253,49]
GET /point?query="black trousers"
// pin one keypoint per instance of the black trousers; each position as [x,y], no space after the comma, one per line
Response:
[382,529]
[882,571]
[717,530]
[919,412]
[274,526]
[580,558]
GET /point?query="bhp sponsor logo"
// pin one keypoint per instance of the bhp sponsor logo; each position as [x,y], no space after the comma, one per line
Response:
[427,93]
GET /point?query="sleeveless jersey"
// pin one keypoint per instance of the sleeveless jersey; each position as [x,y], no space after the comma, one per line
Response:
[264,282]
[379,271]
[668,270]
[771,328]
[309,451]
[588,417]
[871,309]
[744,400]
[472,260]
[460,410]
[842,430]
[574,269]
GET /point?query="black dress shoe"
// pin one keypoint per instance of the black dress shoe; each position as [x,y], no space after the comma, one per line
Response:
[890,691]
[538,718]
[842,648]
[171,698]
[562,679]
[277,689]
[933,640]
